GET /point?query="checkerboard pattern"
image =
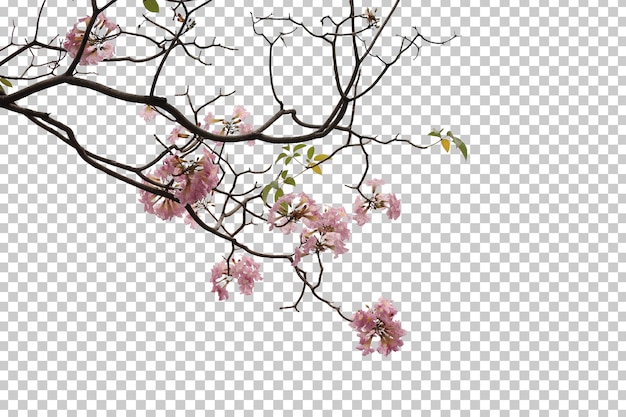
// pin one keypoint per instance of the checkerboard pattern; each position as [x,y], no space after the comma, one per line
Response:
[508,269]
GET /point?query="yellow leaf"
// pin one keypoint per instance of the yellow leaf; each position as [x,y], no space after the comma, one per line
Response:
[317,169]
[320,157]
[446,144]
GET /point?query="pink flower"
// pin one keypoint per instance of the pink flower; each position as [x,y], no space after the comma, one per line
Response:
[335,242]
[388,202]
[172,167]
[327,231]
[109,24]
[359,209]
[190,221]
[393,212]
[240,113]
[308,244]
[284,214]
[384,308]
[246,271]
[332,221]
[219,283]
[148,113]
[209,120]
[199,179]
[191,181]
[364,322]
[99,46]
[378,321]
[244,129]
[162,207]
[374,183]
[175,134]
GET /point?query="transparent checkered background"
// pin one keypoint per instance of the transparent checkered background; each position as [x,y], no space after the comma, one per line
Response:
[508,269]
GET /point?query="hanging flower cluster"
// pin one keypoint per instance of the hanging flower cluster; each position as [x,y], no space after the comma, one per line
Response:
[377,201]
[100,40]
[328,231]
[321,231]
[191,181]
[245,271]
[378,321]
[290,209]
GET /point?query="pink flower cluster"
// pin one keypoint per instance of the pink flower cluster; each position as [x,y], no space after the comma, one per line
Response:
[389,202]
[99,45]
[236,124]
[378,321]
[322,230]
[245,271]
[290,209]
[328,231]
[190,180]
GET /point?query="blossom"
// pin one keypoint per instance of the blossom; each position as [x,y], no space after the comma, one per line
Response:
[235,125]
[219,283]
[393,212]
[175,134]
[245,271]
[172,166]
[332,221]
[198,179]
[362,206]
[160,206]
[240,113]
[244,129]
[209,120]
[99,43]
[374,183]
[359,209]
[190,181]
[327,231]
[378,321]
[284,214]
[190,221]
[148,113]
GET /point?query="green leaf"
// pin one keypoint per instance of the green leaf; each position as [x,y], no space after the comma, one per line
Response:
[321,157]
[311,152]
[288,160]
[151,5]
[295,155]
[281,156]
[274,184]
[6,82]
[284,173]
[2,92]
[435,134]
[450,134]
[265,192]
[459,144]
[286,147]
[278,194]
[298,147]
[290,181]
